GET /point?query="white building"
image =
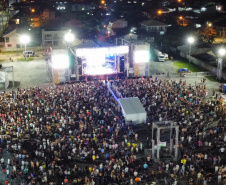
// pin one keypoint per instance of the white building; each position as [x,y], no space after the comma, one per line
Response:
[154,26]
[53,38]
[12,40]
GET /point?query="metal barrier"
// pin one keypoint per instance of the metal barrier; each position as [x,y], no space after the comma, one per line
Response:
[110,90]
[115,89]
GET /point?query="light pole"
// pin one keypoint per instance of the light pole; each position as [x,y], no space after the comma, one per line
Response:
[69,37]
[222,52]
[25,39]
[190,41]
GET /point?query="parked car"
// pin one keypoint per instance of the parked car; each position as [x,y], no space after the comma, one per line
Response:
[29,53]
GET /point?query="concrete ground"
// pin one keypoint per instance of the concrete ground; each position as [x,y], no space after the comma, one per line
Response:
[26,73]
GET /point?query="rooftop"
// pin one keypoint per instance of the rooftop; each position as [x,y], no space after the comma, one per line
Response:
[153,23]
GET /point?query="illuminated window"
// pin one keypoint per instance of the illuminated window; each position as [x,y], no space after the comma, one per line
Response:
[17,21]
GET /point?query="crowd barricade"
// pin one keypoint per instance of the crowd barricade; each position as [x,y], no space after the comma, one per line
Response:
[111,91]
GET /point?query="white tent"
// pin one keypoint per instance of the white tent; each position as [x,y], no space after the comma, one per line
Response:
[133,110]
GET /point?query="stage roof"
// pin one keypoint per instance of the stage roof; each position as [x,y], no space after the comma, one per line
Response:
[93,44]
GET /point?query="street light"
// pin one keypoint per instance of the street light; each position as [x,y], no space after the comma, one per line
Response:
[190,41]
[222,52]
[159,12]
[69,37]
[25,39]
[181,20]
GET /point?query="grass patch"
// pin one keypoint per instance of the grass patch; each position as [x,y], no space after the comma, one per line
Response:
[211,78]
[11,52]
[190,67]
[24,59]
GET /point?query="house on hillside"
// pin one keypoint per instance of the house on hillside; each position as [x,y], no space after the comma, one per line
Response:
[220,27]
[115,25]
[154,26]
[34,21]
[12,40]
[40,18]
[48,14]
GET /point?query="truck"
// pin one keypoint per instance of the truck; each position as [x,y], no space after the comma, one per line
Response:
[161,56]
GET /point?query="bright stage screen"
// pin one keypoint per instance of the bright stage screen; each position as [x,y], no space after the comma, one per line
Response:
[141,56]
[99,61]
[60,61]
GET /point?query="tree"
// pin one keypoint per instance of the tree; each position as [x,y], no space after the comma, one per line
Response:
[207,34]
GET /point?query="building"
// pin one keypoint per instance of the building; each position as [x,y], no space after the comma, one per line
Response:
[154,26]
[48,14]
[12,40]
[42,18]
[121,23]
[118,24]
[53,38]
[220,27]
[34,21]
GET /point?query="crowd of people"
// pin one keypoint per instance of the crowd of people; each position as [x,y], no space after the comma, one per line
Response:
[76,134]
[201,120]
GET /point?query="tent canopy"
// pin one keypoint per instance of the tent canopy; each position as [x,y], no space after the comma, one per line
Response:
[133,110]
[183,70]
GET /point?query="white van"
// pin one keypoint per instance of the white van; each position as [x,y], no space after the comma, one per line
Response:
[29,53]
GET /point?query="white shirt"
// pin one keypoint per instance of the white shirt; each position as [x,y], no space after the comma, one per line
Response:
[216,169]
